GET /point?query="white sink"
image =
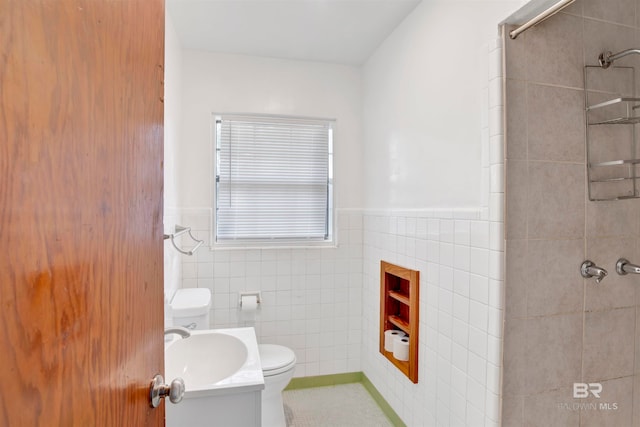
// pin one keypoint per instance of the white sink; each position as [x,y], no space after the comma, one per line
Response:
[215,361]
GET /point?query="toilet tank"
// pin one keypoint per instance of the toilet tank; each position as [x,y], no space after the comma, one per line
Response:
[190,308]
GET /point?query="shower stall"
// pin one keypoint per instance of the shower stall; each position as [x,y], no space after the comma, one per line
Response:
[571,342]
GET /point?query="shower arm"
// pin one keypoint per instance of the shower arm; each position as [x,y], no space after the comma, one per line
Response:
[606,58]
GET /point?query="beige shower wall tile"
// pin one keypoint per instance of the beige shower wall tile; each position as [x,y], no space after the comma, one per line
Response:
[618,11]
[608,348]
[555,124]
[554,52]
[556,200]
[516,197]
[554,285]
[605,85]
[608,143]
[516,119]
[611,190]
[636,401]
[512,410]
[618,394]
[615,291]
[604,36]
[637,346]
[516,278]
[619,218]
[514,356]
[549,409]
[515,60]
[553,352]
[574,9]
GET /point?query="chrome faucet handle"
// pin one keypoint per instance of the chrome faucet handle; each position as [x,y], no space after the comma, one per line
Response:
[191,326]
[588,270]
[624,267]
[183,332]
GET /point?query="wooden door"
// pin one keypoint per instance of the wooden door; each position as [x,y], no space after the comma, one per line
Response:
[81,134]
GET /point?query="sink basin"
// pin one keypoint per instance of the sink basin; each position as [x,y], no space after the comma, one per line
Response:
[215,361]
[204,359]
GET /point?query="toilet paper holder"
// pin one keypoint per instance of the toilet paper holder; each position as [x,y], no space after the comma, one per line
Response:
[249,294]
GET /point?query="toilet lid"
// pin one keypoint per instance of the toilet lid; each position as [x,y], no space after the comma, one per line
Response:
[274,358]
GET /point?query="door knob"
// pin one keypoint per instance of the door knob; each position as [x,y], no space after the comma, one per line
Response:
[159,390]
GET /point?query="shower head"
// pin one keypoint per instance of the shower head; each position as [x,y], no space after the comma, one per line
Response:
[605,59]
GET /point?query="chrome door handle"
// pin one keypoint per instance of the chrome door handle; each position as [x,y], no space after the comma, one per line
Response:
[159,390]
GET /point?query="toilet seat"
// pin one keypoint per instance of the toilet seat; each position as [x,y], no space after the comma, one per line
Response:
[275,359]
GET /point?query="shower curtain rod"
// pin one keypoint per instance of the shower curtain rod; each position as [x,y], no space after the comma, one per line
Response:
[547,13]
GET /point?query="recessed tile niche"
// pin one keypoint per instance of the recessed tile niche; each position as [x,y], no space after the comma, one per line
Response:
[399,297]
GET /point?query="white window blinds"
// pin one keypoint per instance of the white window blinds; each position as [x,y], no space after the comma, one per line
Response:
[273,179]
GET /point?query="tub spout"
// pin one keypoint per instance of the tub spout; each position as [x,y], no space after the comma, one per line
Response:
[623,267]
[183,332]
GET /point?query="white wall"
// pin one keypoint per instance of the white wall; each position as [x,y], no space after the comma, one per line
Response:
[224,83]
[422,107]
[434,194]
[172,119]
[419,155]
[311,298]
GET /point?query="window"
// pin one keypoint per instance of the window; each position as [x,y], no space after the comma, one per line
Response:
[273,180]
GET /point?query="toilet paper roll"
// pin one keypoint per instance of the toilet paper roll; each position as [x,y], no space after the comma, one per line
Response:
[389,337]
[248,307]
[249,303]
[401,348]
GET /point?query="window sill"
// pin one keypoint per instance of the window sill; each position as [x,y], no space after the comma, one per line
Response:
[263,246]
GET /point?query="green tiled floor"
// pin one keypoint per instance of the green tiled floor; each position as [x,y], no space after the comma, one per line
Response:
[347,405]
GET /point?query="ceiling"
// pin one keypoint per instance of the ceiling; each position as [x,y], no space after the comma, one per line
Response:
[339,31]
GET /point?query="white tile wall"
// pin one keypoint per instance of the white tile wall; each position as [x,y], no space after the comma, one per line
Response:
[458,354]
[494,313]
[324,303]
[459,254]
[311,298]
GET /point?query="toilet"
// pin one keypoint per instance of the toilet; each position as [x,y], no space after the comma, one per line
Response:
[190,308]
[278,364]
